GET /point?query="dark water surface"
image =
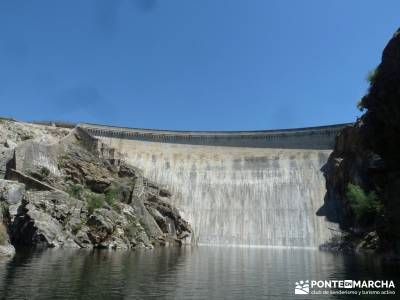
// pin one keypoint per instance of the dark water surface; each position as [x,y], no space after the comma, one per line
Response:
[185,273]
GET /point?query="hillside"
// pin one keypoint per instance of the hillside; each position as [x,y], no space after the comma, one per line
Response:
[60,187]
[363,172]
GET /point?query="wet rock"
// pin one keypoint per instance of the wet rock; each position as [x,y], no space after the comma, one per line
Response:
[6,251]
[340,243]
[369,243]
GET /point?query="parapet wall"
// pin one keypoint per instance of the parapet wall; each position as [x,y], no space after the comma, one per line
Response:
[322,137]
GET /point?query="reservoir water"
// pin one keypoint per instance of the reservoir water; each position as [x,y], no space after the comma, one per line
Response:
[182,273]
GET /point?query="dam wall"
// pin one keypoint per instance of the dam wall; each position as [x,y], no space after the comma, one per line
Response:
[258,188]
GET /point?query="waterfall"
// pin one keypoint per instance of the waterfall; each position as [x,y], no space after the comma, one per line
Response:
[239,195]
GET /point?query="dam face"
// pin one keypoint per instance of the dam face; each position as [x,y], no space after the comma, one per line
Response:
[258,188]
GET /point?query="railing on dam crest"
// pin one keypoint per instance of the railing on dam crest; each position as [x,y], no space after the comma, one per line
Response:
[321,137]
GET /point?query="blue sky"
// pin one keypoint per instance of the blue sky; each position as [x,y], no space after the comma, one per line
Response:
[190,65]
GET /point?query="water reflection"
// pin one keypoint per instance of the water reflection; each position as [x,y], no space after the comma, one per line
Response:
[177,273]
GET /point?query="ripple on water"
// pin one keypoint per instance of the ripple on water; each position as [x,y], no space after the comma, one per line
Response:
[177,273]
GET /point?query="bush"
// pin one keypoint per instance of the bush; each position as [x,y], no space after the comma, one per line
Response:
[361,103]
[75,228]
[75,191]
[26,136]
[94,201]
[371,76]
[367,207]
[111,196]
[112,199]
[44,172]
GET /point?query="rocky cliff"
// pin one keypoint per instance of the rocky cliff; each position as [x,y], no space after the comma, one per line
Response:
[363,172]
[62,187]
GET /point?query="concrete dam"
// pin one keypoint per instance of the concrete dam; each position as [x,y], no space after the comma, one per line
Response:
[247,188]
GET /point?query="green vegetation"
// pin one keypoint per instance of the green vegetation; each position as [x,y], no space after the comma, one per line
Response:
[361,103]
[75,229]
[44,172]
[366,206]
[371,76]
[26,136]
[75,191]
[111,196]
[94,201]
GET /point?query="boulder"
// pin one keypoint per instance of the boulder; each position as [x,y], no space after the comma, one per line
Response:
[11,192]
[102,226]
[369,243]
[37,158]
[11,195]
[10,144]
[6,251]
[145,218]
[6,157]
[43,220]
[126,170]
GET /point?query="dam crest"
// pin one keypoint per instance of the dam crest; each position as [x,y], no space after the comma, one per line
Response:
[321,137]
[241,188]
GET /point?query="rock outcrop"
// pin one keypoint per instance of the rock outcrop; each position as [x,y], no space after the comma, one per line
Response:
[367,155]
[62,188]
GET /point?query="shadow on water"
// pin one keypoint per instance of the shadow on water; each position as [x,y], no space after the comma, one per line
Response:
[84,274]
[366,267]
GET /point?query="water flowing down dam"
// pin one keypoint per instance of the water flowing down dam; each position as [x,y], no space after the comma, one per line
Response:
[255,188]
